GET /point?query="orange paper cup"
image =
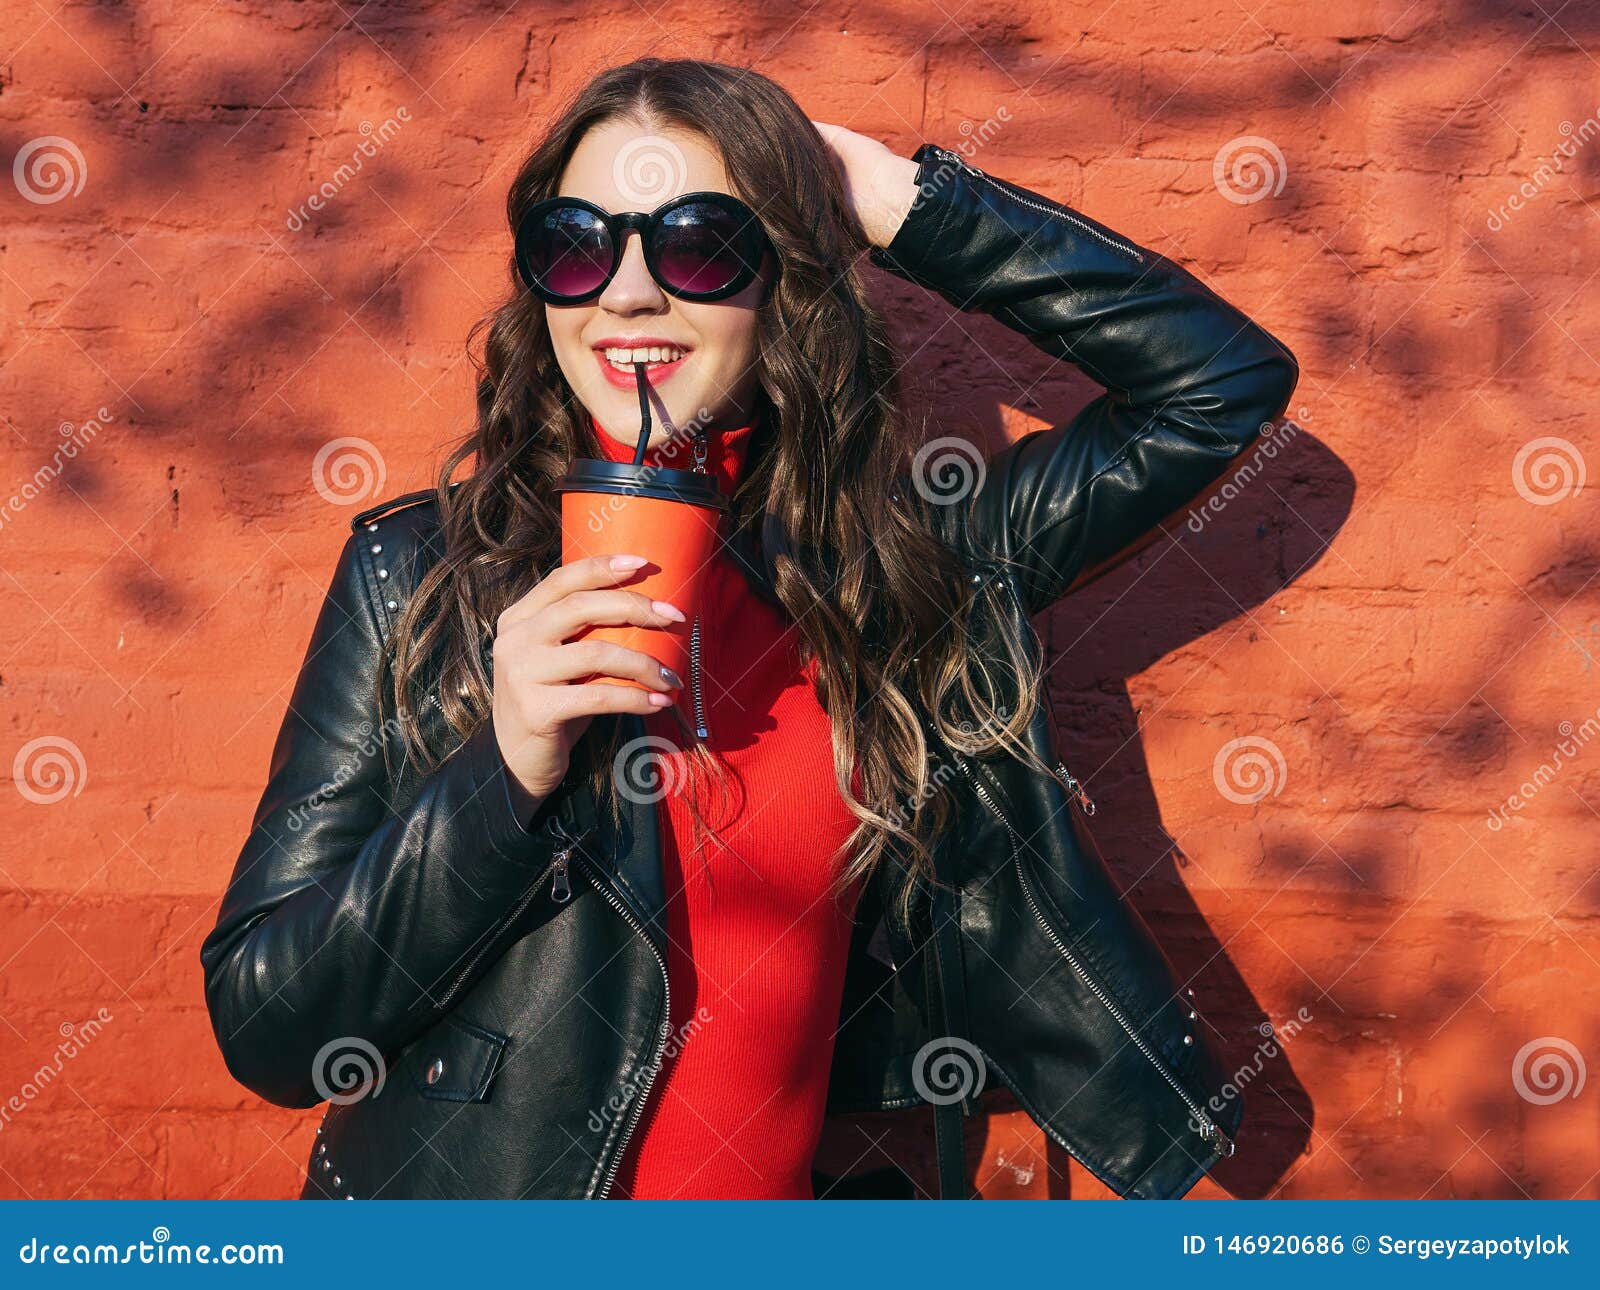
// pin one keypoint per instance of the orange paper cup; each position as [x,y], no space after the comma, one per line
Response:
[671,518]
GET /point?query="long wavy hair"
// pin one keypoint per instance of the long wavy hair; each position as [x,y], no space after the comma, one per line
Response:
[882,605]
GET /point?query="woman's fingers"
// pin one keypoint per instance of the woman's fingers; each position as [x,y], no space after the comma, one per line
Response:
[572,613]
[581,575]
[539,708]
[586,658]
[573,702]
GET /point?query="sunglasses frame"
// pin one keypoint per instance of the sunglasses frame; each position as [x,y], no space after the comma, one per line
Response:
[752,248]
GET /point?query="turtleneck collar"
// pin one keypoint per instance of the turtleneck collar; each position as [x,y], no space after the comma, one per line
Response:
[726,451]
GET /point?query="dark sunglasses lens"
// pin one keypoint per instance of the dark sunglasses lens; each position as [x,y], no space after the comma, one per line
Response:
[702,247]
[569,253]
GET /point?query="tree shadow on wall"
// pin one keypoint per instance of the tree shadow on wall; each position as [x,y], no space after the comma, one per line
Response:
[228,385]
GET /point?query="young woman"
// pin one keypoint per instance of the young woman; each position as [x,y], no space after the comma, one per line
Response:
[516,966]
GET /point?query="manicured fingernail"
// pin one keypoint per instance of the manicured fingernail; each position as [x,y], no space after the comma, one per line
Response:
[660,700]
[671,677]
[622,563]
[671,611]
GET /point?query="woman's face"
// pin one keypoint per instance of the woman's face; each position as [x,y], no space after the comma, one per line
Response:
[623,167]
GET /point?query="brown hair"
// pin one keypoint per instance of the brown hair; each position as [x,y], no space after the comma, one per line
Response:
[881,604]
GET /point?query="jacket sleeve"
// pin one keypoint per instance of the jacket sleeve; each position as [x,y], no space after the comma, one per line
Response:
[348,921]
[1190,380]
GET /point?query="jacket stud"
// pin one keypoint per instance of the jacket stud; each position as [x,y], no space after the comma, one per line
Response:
[1188,1039]
[326,1165]
[1192,1014]
[377,548]
[348,1196]
[338,1181]
[383,573]
[435,1071]
[392,604]
[322,1147]
[372,528]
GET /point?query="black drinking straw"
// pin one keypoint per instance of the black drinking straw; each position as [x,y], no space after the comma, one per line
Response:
[644,414]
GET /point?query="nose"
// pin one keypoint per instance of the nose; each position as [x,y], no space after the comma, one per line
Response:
[632,290]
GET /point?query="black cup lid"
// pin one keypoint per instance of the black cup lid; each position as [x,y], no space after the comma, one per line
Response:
[589,475]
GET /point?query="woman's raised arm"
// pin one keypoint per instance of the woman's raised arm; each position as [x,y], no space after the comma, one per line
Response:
[1191,381]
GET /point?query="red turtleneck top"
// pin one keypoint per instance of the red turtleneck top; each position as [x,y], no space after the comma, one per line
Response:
[756,944]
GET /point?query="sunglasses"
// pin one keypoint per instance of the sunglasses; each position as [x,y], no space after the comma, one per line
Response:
[699,246]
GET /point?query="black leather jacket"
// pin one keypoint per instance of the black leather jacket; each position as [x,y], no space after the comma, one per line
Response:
[410,924]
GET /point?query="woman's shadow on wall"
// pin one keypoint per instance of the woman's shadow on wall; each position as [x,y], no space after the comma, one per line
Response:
[1271,521]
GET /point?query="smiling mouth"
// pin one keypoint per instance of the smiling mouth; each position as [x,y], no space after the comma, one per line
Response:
[649,357]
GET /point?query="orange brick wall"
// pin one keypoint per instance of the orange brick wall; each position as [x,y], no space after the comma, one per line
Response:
[1397,615]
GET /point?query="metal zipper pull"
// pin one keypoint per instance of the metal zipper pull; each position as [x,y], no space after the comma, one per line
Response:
[560,890]
[1075,788]
[700,728]
[560,884]
[1212,1132]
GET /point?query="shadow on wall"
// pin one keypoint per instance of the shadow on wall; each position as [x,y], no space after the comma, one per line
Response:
[231,357]
[1275,521]
[1206,585]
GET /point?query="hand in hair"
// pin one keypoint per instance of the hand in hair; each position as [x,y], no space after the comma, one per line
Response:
[880,185]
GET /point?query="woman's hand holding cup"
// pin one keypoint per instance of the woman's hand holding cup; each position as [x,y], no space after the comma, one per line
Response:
[542,703]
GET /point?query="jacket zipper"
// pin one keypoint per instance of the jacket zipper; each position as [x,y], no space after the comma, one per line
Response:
[661,1042]
[558,865]
[1210,1131]
[1075,788]
[1012,191]
[701,730]
[561,893]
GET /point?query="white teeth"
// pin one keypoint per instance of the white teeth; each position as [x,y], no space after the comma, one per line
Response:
[628,358]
